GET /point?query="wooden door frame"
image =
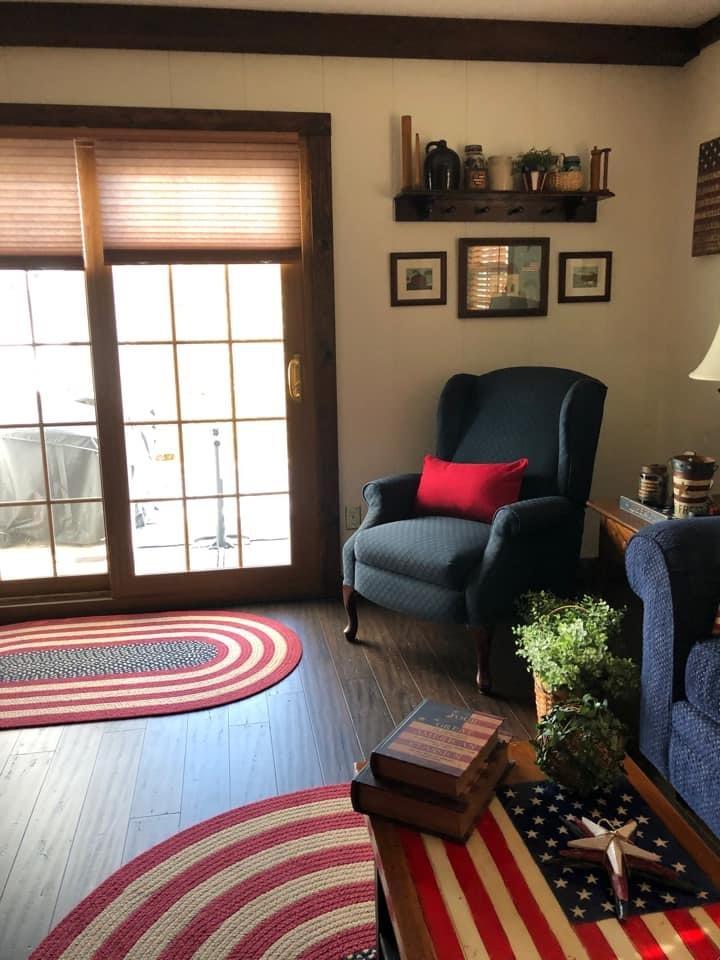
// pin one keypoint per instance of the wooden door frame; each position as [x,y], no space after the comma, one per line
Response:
[312,131]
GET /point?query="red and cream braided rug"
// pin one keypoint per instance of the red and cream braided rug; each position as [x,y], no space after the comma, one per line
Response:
[100,668]
[289,878]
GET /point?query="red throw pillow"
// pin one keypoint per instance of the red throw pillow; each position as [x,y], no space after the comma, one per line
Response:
[473,491]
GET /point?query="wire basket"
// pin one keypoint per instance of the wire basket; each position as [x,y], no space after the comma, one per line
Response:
[546,699]
[564,181]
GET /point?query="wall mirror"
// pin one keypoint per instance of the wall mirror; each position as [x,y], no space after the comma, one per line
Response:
[506,277]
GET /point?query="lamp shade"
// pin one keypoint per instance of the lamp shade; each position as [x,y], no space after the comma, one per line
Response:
[709,366]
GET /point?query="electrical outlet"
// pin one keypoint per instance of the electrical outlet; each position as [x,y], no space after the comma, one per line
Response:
[352,518]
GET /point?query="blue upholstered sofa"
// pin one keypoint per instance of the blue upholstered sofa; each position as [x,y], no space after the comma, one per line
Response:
[674,567]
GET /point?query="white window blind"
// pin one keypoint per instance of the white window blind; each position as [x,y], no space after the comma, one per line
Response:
[155,196]
[39,207]
[487,275]
[199,196]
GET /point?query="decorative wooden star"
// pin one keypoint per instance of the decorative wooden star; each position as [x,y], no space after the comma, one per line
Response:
[612,847]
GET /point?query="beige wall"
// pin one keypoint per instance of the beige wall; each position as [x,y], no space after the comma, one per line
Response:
[393,362]
[690,409]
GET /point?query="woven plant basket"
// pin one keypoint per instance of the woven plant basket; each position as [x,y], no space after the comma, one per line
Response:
[546,699]
[564,181]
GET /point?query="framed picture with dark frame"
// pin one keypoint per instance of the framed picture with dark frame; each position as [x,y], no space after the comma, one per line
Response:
[585,277]
[418,279]
[503,276]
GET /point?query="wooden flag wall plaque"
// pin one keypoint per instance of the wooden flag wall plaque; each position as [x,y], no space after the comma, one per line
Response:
[706,228]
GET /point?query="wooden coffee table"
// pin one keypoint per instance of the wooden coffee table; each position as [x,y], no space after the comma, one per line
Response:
[403,930]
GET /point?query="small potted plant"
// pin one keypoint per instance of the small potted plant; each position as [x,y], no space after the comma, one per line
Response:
[567,645]
[580,744]
[534,165]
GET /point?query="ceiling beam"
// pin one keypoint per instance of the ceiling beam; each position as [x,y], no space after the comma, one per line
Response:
[330,34]
[709,32]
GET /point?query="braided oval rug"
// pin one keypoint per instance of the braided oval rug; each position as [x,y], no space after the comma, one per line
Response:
[104,668]
[291,878]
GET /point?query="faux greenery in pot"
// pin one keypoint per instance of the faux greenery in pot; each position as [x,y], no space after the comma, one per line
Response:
[534,159]
[567,645]
[580,744]
[534,165]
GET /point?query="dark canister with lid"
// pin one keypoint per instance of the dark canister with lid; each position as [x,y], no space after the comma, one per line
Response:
[652,488]
[442,166]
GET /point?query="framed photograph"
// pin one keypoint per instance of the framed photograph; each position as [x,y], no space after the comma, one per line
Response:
[585,277]
[503,277]
[418,279]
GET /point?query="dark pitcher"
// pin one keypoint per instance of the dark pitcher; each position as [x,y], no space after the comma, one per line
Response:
[442,167]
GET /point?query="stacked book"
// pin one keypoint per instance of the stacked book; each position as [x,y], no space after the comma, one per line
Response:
[436,772]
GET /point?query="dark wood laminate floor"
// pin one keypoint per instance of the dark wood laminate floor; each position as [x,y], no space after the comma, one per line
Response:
[78,801]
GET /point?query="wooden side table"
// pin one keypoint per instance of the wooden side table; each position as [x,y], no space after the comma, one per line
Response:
[617,527]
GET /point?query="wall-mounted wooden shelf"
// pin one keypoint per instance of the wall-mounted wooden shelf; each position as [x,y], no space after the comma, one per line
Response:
[498,206]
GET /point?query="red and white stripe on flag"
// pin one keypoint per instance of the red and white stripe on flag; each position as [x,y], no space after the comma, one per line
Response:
[488,900]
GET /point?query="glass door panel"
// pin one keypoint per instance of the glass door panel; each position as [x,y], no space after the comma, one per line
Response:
[52,523]
[204,408]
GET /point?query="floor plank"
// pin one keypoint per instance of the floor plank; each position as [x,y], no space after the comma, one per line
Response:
[21,781]
[297,764]
[38,739]
[398,686]
[411,641]
[337,743]
[206,782]
[252,767]
[100,836]
[8,739]
[370,714]
[251,710]
[129,723]
[146,832]
[159,785]
[350,660]
[44,851]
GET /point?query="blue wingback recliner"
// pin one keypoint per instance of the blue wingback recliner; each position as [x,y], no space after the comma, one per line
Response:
[461,571]
[674,567]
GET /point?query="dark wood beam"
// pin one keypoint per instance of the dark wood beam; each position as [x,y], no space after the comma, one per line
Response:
[708,32]
[24,116]
[330,34]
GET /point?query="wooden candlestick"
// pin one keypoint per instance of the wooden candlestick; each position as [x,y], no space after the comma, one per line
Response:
[407,164]
[418,163]
[599,162]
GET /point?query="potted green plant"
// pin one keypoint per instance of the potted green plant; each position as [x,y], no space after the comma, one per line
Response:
[534,165]
[580,744]
[568,648]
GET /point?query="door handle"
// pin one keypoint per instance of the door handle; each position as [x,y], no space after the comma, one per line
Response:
[294,378]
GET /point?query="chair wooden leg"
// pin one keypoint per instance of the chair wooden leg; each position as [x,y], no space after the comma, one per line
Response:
[350,603]
[483,641]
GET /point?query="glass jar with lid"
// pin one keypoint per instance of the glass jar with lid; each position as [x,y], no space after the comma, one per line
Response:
[475,167]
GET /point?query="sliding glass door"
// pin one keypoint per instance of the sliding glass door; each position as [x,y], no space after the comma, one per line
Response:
[202,365]
[160,430]
[52,522]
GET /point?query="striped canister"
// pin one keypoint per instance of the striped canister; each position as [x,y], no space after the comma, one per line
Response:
[692,480]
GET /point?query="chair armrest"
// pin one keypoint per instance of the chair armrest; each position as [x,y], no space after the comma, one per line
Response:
[531,517]
[390,498]
[533,545]
[674,567]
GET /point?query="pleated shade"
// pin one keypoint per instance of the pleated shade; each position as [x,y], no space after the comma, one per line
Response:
[154,196]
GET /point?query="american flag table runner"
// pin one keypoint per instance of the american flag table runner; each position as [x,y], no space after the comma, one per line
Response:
[501,896]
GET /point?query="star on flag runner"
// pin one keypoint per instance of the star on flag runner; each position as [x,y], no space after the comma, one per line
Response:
[586,894]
